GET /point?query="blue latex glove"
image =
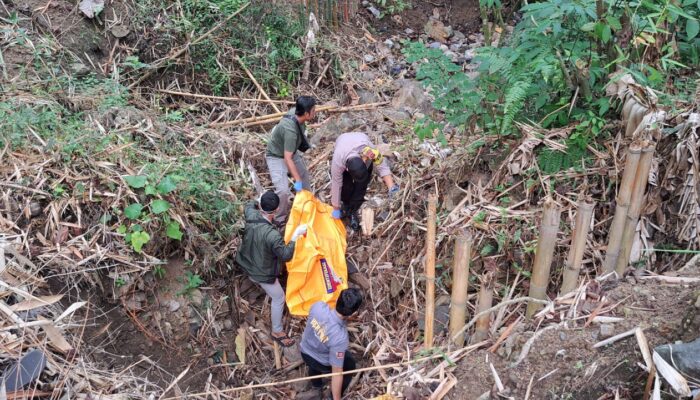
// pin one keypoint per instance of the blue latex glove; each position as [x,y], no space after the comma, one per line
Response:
[298,186]
[336,214]
[393,190]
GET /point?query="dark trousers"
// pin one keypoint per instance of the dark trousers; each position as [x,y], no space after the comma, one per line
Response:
[353,192]
[316,368]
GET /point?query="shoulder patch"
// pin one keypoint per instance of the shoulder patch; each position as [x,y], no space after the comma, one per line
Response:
[340,354]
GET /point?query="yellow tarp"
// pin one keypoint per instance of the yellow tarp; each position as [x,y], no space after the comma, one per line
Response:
[318,271]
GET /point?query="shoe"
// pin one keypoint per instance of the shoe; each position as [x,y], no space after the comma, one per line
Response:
[354,221]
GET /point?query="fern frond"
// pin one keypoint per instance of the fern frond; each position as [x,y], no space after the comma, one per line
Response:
[515,100]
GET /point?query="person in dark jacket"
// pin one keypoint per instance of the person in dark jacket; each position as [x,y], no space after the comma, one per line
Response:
[262,252]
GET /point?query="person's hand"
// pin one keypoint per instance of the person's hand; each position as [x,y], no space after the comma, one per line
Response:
[393,190]
[298,185]
[336,214]
[301,230]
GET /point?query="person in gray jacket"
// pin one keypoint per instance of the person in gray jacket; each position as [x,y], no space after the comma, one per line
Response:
[262,252]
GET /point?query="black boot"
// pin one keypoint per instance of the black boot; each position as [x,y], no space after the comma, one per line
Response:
[354,221]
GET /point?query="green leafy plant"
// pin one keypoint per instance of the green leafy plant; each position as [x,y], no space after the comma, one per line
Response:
[159,271]
[191,282]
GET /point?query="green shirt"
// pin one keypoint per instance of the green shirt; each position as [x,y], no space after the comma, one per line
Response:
[285,136]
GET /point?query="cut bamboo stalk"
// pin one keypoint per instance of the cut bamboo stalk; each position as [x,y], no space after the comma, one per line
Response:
[485,302]
[460,284]
[255,82]
[623,200]
[430,271]
[543,255]
[636,201]
[572,266]
[278,355]
[367,221]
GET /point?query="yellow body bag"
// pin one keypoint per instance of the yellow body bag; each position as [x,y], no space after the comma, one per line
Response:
[318,271]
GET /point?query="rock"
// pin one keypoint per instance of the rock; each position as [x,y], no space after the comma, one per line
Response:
[35,209]
[119,31]
[337,124]
[210,361]
[457,37]
[461,60]
[473,37]
[365,3]
[79,69]
[409,31]
[368,58]
[455,47]
[606,331]
[395,115]
[451,55]
[389,43]
[437,30]
[435,45]
[173,305]
[228,324]
[411,97]
[377,14]
[684,356]
[562,336]
[442,318]
[469,54]
[444,48]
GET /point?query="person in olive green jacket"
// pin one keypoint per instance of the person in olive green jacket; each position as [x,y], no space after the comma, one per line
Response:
[262,252]
[283,158]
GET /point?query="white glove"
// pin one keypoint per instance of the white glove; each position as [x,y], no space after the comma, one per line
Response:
[301,230]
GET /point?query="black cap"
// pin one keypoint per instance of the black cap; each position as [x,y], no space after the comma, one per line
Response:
[357,168]
[269,201]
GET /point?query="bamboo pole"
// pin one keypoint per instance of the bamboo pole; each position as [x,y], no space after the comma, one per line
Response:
[430,271]
[543,255]
[255,82]
[272,118]
[460,283]
[485,302]
[572,266]
[222,98]
[623,200]
[637,199]
[278,355]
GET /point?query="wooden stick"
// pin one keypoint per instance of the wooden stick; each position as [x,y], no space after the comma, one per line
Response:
[485,303]
[460,284]
[278,356]
[430,271]
[543,255]
[306,378]
[636,201]
[272,118]
[623,201]
[572,266]
[257,85]
[208,97]
[496,307]
[615,338]
[182,51]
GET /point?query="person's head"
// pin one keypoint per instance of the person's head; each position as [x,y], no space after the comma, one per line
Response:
[305,108]
[348,302]
[357,168]
[269,202]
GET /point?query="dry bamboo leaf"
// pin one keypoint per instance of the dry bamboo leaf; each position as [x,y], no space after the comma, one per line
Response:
[36,303]
[240,345]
